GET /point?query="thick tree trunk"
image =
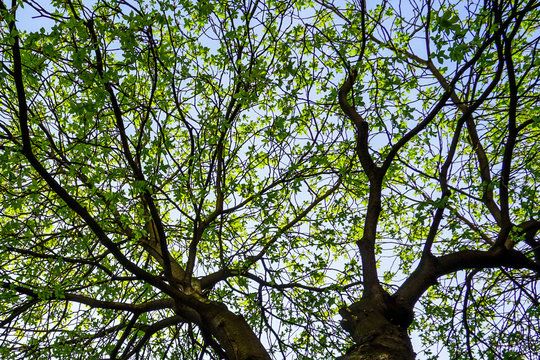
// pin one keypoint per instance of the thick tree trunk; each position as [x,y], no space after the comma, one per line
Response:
[235,337]
[233,333]
[378,326]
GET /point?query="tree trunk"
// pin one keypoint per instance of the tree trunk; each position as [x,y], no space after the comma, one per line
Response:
[378,325]
[232,332]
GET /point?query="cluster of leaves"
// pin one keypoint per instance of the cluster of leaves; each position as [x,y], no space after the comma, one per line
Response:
[218,124]
[215,113]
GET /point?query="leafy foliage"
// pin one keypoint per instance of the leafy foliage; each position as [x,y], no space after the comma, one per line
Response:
[162,162]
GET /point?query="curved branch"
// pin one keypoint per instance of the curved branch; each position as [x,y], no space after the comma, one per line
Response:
[70,201]
[139,176]
[360,124]
[51,294]
[434,267]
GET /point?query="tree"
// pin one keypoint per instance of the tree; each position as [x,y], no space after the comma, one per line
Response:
[269,179]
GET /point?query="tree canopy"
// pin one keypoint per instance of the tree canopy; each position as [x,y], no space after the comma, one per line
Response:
[257,179]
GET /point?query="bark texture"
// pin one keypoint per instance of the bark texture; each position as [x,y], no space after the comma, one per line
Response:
[233,333]
[378,325]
